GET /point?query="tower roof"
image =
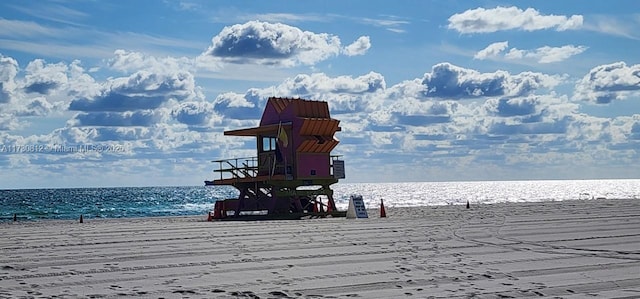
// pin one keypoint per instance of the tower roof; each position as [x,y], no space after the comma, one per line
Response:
[302,107]
[281,112]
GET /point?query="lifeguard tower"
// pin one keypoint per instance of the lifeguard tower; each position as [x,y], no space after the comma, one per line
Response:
[292,173]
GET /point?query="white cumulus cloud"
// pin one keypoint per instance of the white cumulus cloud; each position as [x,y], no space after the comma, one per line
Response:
[491,50]
[196,114]
[453,82]
[42,78]
[481,20]
[131,61]
[8,72]
[36,93]
[276,44]
[606,83]
[359,47]
[546,54]
[318,83]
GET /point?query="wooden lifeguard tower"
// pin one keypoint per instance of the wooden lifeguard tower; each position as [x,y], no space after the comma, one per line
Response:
[291,175]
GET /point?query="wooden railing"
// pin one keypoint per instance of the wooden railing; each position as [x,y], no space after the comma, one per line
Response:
[252,167]
[237,168]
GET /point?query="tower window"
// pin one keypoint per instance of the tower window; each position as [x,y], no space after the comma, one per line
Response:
[268,143]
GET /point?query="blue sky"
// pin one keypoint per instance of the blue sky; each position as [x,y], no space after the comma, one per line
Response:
[138,93]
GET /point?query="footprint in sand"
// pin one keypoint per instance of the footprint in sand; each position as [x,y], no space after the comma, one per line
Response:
[278,294]
[183,292]
[247,294]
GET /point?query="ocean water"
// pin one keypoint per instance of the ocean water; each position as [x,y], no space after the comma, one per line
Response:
[70,203]
[34,204]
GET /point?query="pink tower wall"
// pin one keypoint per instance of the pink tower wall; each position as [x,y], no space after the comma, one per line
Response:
[303,163]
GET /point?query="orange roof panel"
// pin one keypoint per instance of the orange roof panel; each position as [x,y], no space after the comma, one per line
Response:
[319,126]
[302,107]
[255,131]
[280,103]
[312,146]
[315,109]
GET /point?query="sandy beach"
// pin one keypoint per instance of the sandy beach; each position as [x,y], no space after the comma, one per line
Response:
[570,249]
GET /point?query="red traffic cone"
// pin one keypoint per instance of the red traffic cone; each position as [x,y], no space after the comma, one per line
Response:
[383,213]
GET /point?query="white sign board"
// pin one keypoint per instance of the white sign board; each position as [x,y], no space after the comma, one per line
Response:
[338,169]
[356,208]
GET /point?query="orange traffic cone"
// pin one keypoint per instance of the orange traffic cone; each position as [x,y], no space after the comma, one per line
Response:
[383,213]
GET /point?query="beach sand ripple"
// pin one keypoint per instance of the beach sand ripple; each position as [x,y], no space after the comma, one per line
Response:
[568,249]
